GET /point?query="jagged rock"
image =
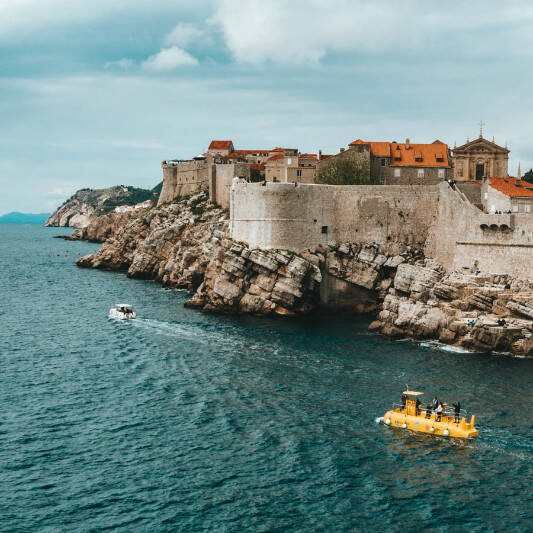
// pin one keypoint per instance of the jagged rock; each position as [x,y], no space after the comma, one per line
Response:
[264,260]
[482,301]
[521,308]
[415,279]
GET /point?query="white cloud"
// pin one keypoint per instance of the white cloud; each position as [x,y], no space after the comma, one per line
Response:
[183,34]
[305,31]
[169,59]
[123,64]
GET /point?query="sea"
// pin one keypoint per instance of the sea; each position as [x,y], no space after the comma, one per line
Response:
[185,421]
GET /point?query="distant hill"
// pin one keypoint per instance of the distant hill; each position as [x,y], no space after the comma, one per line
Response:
[24,218]
[86,203]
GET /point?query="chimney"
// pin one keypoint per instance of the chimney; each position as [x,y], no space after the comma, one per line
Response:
[407,143]
[342,149]
[518,181]
[320,155]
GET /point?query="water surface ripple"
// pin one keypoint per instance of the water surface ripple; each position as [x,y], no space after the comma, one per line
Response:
[189,422]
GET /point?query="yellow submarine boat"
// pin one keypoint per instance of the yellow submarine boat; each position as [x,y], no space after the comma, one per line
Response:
[416,419]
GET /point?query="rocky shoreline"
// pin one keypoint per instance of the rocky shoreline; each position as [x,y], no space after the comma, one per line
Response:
[186,245]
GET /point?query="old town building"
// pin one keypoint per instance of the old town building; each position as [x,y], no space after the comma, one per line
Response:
[479,159]
[507,195]
[393,163]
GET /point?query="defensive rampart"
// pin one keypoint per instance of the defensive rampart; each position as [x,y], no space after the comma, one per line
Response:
[466,238]
[285,216]
[181,178]
[437,218]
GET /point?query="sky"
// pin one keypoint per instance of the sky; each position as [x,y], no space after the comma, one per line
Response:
[97,93]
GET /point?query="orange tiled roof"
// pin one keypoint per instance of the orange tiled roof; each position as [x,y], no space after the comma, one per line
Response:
[246,152]
[307,156]
[428,155]
[235,155]
[275,156]
[220,145]
[508,187]
[257,166]
[277,149]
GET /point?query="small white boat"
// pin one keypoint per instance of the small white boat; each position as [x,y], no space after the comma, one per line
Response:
[122,312]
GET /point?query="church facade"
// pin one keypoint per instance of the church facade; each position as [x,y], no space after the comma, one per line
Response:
[479,159]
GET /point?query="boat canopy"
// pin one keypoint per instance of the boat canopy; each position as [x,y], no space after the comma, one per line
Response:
[412,393]
[123,305]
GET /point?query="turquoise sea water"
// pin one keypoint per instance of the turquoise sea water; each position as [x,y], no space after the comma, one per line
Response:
[183,421]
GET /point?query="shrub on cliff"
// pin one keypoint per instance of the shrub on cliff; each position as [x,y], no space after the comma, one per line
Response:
[344,172]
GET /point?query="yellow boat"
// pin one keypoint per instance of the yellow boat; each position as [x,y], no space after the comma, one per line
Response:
[413,417]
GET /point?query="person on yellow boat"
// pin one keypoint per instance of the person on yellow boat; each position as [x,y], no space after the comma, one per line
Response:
[457,411]
[438,412]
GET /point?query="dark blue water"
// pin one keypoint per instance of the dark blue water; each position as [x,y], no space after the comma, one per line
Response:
[189,422]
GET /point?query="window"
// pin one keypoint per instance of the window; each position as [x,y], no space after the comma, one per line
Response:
[397,172]
[289,161]
[324,229]
[298,173]
[441,173]
[420,172]
[397,158]
[528,208]
[383,162]
[515,209]
[486,196]
[361,148]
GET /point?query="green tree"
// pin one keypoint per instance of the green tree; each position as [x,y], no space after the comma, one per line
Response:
[528,176]
[344,172]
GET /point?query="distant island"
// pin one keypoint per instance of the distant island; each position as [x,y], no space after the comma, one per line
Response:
[24,218]
[78,210]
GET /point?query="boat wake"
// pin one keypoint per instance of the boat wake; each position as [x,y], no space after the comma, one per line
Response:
[379,419]
[436,345]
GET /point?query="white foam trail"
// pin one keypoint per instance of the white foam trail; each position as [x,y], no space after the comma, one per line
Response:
[444,347]
[379,419]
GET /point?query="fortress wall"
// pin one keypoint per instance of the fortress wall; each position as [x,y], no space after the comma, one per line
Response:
[183,178]
[281,215]
[465,237]
[393,216]
[222,183]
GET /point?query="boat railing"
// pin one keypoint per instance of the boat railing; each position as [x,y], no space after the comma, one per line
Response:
[449,411]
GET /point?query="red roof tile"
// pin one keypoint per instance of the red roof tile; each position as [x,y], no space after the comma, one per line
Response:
[508,187]
[220,145]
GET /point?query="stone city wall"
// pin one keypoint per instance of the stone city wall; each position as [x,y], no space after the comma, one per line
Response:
[222,179]
[464,237]
[182,178]
[285,216]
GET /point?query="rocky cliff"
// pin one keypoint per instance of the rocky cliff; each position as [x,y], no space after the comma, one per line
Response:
[78,210]
[186,245]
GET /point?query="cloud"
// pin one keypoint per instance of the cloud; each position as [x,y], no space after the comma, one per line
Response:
[169,59]
[306,31]
[183,34]
[123,64]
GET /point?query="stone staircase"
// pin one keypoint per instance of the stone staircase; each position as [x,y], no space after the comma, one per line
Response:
[472,191]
